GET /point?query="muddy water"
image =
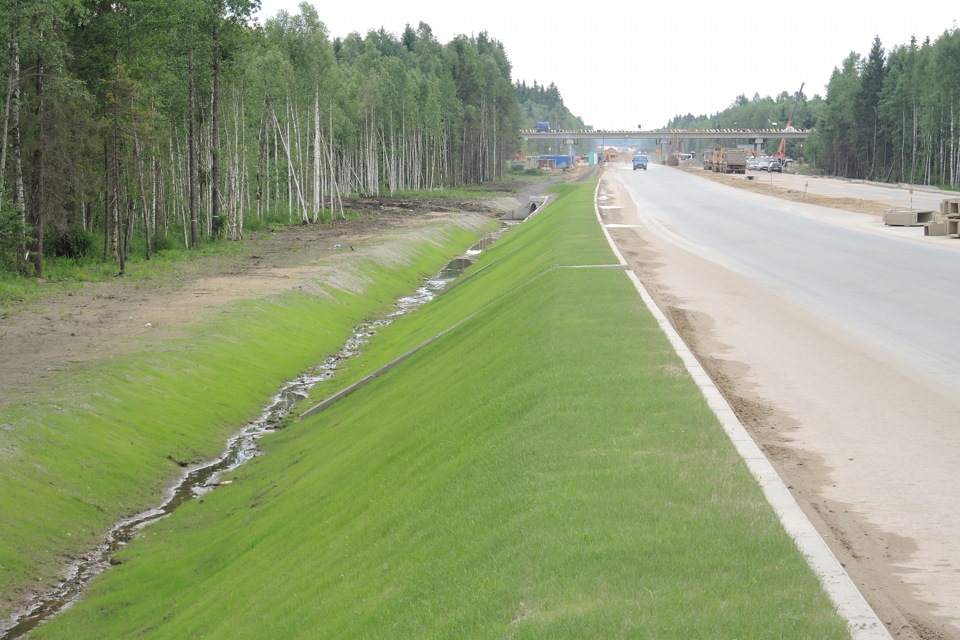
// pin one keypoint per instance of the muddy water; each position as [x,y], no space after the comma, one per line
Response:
[202,478]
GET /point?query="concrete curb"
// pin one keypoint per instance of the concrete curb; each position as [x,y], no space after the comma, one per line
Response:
[862,621]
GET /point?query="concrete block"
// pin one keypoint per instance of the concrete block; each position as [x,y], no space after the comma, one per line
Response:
[952,227]
[936,228]
[950,207]
[907,217]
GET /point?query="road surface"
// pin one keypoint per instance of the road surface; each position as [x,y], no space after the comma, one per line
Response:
[837,340]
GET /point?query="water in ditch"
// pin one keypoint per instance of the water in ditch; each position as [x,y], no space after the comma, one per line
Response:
[202,478]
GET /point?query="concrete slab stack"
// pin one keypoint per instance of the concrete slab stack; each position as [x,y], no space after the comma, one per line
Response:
[949,217]
[946,222]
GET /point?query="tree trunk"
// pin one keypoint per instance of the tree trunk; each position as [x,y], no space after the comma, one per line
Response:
[19,199]
[192,152]
[37,218]
[292,174]
[317,197]
[215,129]
[13,76]
[115,189]
[263,157]
[143,191]
[120,239]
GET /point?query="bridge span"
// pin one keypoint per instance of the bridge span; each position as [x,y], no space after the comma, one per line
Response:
[672,138]
[668,135]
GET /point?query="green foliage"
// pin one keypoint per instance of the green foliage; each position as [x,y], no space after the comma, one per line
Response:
[163,242]
[464,192]
[93,269]
[71,242]
[15,288]
[11,240]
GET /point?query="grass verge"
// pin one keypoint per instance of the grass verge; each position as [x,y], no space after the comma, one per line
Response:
[109,440]
[546,470]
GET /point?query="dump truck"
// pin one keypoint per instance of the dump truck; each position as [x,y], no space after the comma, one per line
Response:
[729,161]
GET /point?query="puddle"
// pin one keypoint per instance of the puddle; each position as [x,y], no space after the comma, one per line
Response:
[202,478]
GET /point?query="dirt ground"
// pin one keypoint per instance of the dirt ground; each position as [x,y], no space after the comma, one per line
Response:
[870,556]
[66,328]
[754,182]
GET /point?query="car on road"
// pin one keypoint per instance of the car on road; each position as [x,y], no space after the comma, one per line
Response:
[775,166]
[753,164]
[639,162]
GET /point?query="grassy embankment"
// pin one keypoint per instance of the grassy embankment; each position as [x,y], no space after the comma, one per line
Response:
[546,469]
[104,442]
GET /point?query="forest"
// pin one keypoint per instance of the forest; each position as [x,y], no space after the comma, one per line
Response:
[144,124]
[889,117]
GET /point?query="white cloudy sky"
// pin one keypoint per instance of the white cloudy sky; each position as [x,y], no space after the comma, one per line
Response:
[621,64]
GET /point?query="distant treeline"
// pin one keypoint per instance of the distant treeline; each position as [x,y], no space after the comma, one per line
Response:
[151,122]
[889,117]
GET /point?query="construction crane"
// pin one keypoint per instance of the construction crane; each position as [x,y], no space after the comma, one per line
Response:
[781,153]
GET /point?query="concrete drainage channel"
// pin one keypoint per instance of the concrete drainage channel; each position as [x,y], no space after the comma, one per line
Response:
[524,211]
[946,222]
[862,621]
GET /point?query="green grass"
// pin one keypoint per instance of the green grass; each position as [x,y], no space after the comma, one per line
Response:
[15,289]
[465,192]
[545,470]
[104,443]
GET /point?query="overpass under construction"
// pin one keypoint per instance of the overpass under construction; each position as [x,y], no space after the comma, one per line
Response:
[672,137]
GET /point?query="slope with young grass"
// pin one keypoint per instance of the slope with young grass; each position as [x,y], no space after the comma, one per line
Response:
[107,440]
[545,469]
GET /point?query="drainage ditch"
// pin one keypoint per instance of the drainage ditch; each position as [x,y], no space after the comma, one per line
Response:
[202,478]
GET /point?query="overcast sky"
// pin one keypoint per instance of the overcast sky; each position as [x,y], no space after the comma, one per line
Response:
[622,64]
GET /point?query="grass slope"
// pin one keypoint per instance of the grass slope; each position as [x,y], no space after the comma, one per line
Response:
[545,470]
[105,443]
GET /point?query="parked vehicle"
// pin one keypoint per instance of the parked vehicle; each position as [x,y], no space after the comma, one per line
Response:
[775,166]
[763,164]
[752,164]
[639,162]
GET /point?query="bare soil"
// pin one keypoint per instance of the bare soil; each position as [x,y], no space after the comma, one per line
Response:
[66,328]
[755,183]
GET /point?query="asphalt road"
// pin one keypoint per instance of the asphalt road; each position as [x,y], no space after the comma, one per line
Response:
[849,331]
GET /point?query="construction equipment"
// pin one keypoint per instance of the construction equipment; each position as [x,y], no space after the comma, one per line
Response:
[781,153]
[708,160]
[729,161]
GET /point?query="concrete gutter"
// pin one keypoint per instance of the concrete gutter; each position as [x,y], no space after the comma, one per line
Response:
[862,621]
[528,210]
